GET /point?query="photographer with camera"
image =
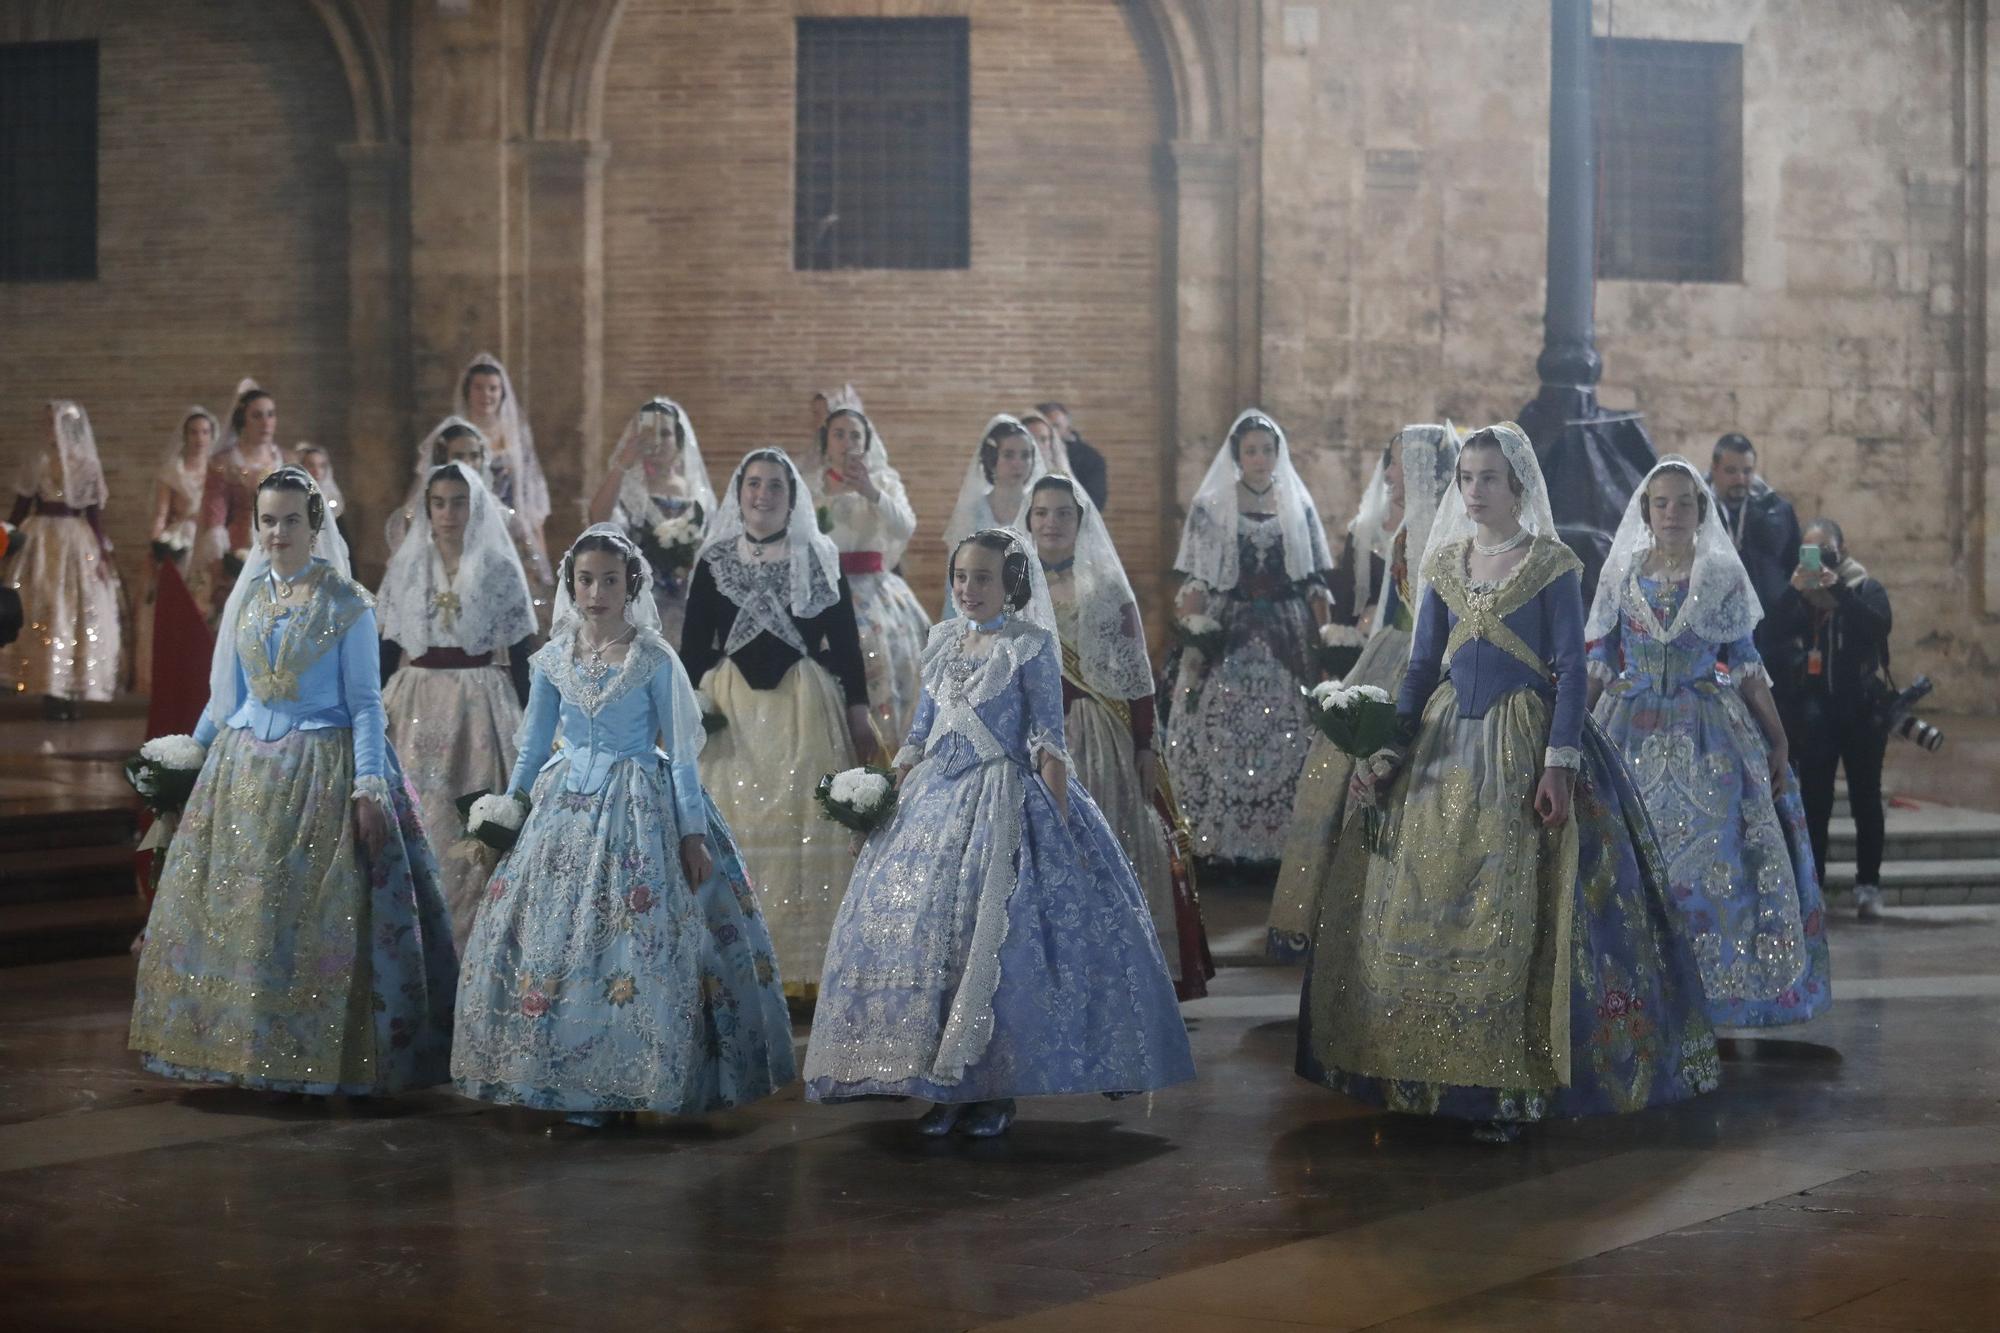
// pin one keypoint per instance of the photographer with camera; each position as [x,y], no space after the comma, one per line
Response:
[1835,622]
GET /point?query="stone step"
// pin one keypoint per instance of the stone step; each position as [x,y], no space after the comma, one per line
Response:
[103,869]
[1923,883]
[46,830]
[50,932]
[1925,833]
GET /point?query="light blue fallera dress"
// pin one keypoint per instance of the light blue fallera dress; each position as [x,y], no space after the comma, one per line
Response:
[279,955]
[596,978]
[987,948]
[1739,863]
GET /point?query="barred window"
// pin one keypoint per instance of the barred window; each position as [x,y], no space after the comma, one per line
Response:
[884,144]
[1670,160]
[48,161]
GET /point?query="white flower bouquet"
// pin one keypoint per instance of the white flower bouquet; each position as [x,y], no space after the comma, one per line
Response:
[170,548]
[1201,633]
[1361,721]
[493,818]
[164,770]
[861,799]
[678,540]
[1339,649]
[713,719]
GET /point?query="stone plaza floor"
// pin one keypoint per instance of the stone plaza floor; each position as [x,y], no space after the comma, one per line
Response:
[1846,1176]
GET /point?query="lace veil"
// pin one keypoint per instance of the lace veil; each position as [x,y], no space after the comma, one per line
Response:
[531,488]
[1452,524]
[1721,605]
[640,609]
[972,512]
[815,575]
[223,665]
[653,423]
[1110,638]
[82,471]
[1208,538]
[887,479]
[493,608]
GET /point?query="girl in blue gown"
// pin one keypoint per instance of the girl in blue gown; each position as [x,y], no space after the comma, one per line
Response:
[1679,688]
[618,962]
[299,942]
[1509,952]
[993,943]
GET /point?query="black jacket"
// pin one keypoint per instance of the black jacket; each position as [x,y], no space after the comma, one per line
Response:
[1852,639]
[1090,471]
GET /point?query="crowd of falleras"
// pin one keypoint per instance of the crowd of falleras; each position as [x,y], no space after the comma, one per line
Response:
[1583,853]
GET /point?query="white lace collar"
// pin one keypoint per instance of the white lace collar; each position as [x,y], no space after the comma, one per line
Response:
[557,660]
[953,675]
[762,594]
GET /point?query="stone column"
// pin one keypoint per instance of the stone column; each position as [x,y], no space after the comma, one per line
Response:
[376,462]
[565,320]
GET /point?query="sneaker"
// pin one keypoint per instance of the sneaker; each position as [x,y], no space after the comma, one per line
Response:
[1867,902]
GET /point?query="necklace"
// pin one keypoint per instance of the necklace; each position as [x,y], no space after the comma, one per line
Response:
[760,547]
[1520,535]
[1059,566]
[990,626]
[596,668]
[282,588]
[1253,490]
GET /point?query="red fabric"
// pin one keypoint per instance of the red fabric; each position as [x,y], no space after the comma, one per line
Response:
[861,562]
[1191,936]
[182,647]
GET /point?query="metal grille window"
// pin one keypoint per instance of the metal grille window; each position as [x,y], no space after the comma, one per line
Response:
[48,161]
[884,144]
[1670,160]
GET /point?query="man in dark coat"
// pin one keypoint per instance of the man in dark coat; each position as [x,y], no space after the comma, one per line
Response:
[1766,531]
[1085,462]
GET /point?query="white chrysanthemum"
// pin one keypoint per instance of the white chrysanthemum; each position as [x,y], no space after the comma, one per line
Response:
[1323,693]
[1342,636]
[1372,693]
[1201,624]
[679,530]
[502,811]
[859,789]
[177,751]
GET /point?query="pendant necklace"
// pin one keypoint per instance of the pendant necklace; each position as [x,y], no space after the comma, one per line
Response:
[596,669]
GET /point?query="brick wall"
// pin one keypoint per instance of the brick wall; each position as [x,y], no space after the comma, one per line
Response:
[1062,298]
[1404,178]
[221,247]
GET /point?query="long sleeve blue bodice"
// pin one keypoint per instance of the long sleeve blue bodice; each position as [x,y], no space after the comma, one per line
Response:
[975,711]
[1549,622]
[1633,653]
[646,699]
[325,673]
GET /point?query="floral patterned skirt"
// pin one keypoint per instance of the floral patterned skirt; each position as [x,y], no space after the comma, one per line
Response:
[762,769]
[455,732]
[988,949]
[1100,746]
[1739,862]
[277,955]
[69,595]
[893,627]
[1320,812]
[1483,967]
[597,979]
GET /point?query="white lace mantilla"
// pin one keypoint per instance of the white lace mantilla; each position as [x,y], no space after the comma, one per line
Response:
[557,661]
[762,594]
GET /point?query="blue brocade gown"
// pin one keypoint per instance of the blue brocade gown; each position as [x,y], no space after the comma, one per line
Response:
[596,979]
[278,954]
[1481,966]
[1739,863]
[986,949]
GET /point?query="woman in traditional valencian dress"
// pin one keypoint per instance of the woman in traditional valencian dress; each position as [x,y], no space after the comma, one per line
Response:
[994,944]
[247,453]
[619,963]
[298,942]
[653,483]
[1107,683]
[1417,467]
[770,636]
[994,493]
[456,440]
[61,565]
[457,625]
[1680,689]
[1507,953]
[861,505]
[486,398]
[1255,560]
[177,489]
